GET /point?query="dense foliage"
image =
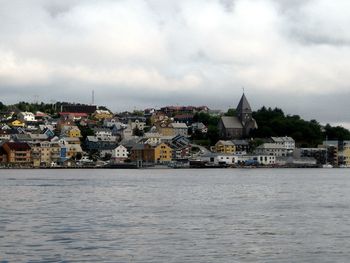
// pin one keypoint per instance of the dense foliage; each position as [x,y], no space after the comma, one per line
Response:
[273,122]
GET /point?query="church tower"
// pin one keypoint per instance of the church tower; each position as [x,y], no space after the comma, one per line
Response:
[245,115]
[244,111]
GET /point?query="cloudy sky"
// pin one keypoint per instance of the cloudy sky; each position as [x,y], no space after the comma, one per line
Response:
[293,54]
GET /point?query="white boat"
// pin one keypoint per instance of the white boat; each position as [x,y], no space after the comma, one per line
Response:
[327,166]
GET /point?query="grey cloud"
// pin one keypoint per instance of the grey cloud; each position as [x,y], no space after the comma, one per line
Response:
[228,4]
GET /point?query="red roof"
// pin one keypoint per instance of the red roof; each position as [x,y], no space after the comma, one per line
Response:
[75,114]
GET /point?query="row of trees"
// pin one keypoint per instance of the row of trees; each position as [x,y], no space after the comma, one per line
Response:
[273,122]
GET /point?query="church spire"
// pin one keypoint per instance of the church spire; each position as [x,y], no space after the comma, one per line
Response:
[243,106]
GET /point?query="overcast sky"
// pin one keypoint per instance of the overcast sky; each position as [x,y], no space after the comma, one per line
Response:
[293,54]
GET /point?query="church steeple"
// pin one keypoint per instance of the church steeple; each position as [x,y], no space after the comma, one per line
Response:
[243,110]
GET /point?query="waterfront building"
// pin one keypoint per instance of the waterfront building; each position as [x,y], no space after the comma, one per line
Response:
[234,159]
[181,147]
[119,154]
[242,146]
[272,149]
[225,147]
[71,146]
[160,153]
[286,142]
[17,152]
[45,153]
[346,154]
[101,143]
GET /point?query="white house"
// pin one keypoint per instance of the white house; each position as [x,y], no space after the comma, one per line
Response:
[119,154]
[102,132]
[274,149]
[26,116]
[286,142]
[180,128]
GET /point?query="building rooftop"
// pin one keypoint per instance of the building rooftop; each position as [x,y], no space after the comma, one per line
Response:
[230,122]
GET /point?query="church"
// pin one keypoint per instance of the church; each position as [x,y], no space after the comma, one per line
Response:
[239,126]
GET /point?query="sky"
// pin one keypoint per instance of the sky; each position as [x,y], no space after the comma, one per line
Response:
[134,54]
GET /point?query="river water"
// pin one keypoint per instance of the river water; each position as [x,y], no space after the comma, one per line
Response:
[225,215]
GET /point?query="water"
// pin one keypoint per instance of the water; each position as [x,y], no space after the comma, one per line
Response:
[227,215]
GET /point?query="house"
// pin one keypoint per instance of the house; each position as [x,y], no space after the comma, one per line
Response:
[109,123]
[102,132]
[17,123]
[235,127]
[102,143]
[271,149]
[200,127]
[26,116]
[165,129]
[45,153]
[286,142]
[225,147]
[160,153]
[102,114]
[242,146]
[345,153]
[151,138]
[119,154]
[17,152]
[180,128]
[181,147]
[5,135]
[70,147]
[71,131]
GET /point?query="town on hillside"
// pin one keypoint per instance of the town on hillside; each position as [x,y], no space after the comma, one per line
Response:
[66,135]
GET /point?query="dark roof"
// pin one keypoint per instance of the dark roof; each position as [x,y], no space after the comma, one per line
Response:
[231,122]
[18,146]
[243,106]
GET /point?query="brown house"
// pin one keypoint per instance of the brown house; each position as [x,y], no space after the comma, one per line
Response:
[160,153]
[17,152]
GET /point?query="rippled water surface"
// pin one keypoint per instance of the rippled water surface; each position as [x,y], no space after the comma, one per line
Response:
[227,215]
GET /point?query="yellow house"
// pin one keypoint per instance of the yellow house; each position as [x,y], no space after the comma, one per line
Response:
[17,123]
[44,153]
[225,147]
[102,114]
[160,153]
[346,153]
[74,133]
